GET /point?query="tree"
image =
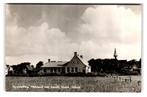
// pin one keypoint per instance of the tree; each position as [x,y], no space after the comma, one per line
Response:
[139,63]
[92,63]
[21,68]
[39,64]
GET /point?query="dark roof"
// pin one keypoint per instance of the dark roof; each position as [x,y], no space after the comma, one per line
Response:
[81,59]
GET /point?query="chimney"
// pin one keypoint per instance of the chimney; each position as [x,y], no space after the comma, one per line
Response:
[49,60]
[75,53]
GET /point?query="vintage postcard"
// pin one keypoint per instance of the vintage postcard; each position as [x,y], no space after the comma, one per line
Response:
[83,47]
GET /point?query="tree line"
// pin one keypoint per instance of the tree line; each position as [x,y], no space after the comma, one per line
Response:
[24,68]
[114,66]
[98,66]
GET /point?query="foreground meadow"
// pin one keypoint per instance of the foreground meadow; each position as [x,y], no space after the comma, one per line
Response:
[74,84]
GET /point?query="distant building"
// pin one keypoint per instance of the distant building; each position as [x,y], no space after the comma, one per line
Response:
[76,65]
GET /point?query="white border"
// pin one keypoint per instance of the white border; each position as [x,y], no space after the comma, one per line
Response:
[55,94]
[73,1]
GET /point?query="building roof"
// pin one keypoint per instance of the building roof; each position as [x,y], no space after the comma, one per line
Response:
[81,59]
[54,64]
[84,61]
[62,64]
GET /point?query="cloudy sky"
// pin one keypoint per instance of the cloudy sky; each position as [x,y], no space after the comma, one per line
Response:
[39,32]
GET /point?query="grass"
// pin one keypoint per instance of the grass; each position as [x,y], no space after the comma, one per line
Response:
[73,84]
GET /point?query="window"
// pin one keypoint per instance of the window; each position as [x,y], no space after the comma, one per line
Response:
[76,69]
[68,69]
[44,70]
[63,69]
[55,69]
[58,69]
[83,70]
[51,69]
[72,69]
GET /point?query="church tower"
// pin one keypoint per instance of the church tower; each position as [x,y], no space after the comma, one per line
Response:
[115,54]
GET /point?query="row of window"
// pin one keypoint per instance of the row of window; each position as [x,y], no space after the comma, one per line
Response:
[72,69]
[54,70]
[75,62]
[68,69]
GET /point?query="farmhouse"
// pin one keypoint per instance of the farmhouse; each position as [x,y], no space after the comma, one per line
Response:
[76,65]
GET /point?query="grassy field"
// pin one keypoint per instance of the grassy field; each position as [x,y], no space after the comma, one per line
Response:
[74,84]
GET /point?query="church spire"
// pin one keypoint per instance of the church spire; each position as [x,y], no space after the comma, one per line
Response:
[115,54]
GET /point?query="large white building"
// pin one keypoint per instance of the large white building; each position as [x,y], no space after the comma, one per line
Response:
[76,65]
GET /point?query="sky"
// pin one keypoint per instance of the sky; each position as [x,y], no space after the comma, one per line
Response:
[39,32]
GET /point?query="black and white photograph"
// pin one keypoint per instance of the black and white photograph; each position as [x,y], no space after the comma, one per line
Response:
[73,47]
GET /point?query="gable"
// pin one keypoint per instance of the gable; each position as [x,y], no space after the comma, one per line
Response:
[75,62]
